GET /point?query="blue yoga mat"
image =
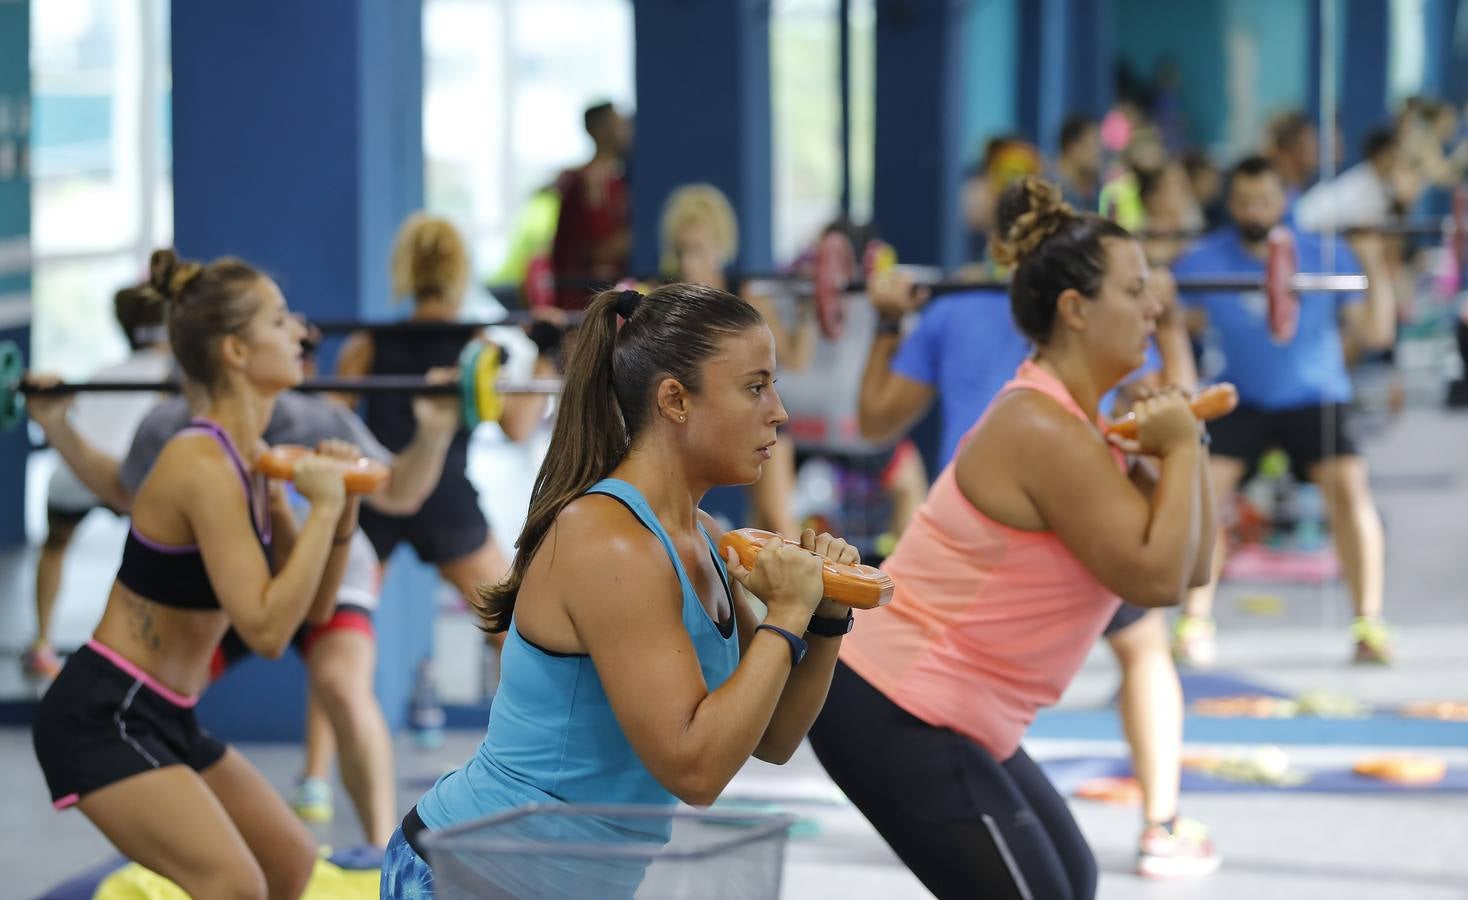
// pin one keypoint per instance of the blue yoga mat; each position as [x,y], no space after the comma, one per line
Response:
[1069,773]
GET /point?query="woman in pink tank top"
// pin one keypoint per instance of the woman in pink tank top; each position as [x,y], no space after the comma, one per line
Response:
[1012,568]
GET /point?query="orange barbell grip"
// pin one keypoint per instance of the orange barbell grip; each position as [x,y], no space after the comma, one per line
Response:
[861,587]
[359,476]
[1214,401]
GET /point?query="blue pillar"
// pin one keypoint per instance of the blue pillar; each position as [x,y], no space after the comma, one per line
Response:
[1367,54]
[1066,54]
[920,104]
[1088,55]
[297,141]
[703,114]
[1455,66]
[1314,47]
[15,242]
[297,145]
[1439,17]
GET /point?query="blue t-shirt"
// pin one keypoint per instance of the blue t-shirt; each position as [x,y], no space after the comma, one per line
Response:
[966,347]
[1309,370]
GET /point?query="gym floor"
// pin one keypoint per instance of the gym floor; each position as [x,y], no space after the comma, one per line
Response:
[1275,845]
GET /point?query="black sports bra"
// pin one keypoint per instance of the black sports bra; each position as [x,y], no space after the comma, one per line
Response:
[175,576]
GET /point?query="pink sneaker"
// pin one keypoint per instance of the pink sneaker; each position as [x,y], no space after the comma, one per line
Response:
[1181,849]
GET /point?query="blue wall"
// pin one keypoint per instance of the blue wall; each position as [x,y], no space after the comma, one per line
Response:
[991,67]
[15,228]
[1278,35]
[297,141]
[1190,32]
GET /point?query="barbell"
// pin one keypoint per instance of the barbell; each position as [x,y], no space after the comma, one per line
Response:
[836,280]
[837,276]
[479,388]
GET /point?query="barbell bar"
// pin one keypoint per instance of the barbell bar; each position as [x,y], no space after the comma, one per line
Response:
[478,387]
[370,384]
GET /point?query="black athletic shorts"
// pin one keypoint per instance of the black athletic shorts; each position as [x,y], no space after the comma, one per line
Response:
[449,526]
[1307,434]
[1125,616]
[104,720]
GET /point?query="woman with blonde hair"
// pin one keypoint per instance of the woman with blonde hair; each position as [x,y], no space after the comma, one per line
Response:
[700,238]
[430,266]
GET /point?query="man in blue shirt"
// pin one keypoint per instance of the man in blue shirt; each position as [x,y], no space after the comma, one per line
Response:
[1294,395]
[963,350]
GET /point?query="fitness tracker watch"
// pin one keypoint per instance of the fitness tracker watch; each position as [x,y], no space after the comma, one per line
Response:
[797,645]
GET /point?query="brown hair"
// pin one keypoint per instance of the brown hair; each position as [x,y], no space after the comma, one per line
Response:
[142,311]
[429,259]
[1053,249]
[607,400]
[206,304]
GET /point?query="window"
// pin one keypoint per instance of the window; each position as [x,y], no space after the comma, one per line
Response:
[100,189]
[805,66]
[506,83]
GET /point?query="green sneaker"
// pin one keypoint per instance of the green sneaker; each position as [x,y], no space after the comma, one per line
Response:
[1194,642]
[1373,642]
[312,801]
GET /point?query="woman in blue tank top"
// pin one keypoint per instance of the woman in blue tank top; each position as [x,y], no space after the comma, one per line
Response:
[634,670]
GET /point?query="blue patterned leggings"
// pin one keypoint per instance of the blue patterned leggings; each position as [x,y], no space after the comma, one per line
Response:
[405,876]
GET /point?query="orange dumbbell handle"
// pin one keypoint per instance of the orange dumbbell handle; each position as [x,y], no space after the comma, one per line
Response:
[359,476]
[862,587]
[1210,403]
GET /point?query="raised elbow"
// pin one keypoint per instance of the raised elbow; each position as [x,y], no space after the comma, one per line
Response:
[697,789]
[775,755]
[271,649]
[263,640]
[698,781]
[873,423]
[1159,592]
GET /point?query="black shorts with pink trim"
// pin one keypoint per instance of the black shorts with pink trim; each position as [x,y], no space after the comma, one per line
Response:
[104,720]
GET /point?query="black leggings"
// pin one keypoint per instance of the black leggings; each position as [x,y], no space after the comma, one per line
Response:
[966,825]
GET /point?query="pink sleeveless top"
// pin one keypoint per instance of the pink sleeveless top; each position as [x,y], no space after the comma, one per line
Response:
[988,623]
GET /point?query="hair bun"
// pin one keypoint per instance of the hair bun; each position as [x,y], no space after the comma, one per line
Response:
[160,268]
[1030,211]
[168,275]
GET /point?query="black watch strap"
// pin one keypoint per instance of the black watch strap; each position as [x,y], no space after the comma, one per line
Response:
[821,626]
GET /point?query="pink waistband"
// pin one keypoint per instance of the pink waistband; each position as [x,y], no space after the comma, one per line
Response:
[131,668]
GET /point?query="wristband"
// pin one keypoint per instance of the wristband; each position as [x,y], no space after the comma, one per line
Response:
[820,626]
[797,645]
[889,327]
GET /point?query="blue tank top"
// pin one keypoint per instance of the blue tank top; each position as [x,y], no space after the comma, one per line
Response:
[552,735]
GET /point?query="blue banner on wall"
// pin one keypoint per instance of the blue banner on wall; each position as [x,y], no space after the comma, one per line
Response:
[15,239]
